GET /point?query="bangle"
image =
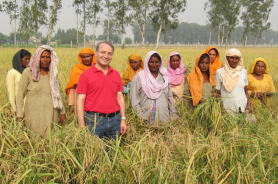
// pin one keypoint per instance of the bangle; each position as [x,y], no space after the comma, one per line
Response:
[123,117]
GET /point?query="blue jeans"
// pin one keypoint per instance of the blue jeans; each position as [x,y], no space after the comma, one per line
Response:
[103,126]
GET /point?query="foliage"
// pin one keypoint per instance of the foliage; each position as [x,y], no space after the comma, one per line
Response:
[128,40]
[139,13]
[203,146]
[255,17]
[164,15]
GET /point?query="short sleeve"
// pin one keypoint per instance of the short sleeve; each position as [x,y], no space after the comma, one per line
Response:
[245,78]
[120,87]
[218,79]
[82,84]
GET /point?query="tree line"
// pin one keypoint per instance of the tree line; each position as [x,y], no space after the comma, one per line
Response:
[156,17]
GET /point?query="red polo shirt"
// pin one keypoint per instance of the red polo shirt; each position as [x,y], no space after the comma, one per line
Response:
[100,90]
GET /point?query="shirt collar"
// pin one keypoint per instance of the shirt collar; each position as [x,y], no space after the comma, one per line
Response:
[94,68]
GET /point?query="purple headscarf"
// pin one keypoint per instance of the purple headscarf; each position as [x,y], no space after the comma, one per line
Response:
[150,85]
[175,76]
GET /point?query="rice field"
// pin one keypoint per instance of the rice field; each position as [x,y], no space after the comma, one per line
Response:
[202,146]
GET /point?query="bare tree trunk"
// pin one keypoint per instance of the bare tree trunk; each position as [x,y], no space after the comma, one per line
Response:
[122,38]
[210,37]
[77,32]
[245,41]
[256,37]
[84,37]
[54,13]
[158,35]
[108,26]
[94,29]
[222,40]
[227,38]
[219,35]
[15,27]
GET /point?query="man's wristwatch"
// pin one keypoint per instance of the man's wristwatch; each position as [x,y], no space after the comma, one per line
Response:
[123,117]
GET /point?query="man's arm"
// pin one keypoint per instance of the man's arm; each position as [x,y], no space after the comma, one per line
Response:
[121,102]
[80,109]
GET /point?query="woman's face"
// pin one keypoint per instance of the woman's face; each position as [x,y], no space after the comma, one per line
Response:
[87,59]
[212,55]
[204,65]
[25,61]
[259,68]
[154,64]
[45,59]
[175,62]
[135,65]
[233,61]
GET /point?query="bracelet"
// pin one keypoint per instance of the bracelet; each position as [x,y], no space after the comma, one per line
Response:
[123,117]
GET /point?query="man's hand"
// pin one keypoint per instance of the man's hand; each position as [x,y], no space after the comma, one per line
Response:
[123,126]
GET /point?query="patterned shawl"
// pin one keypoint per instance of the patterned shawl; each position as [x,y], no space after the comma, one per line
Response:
[54,83]
[150,85]
[175,76]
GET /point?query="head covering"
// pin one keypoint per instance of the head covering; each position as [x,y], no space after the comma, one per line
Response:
[230,75]
[195,81]
[17,64]
[216,64]
[150,85]
[175,76]
[129,73]
[252,67]
[54,83]
[78,69]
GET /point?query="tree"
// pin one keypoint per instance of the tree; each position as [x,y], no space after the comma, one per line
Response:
[25,25]
[109,7]
[53,18]
[140,14]
[255,17]
[214,17]
[77,12]
[164,15]
[128,40]
[121,17]
[113,29]
[11,8]
[37,15]
[93,8]
[77,3]
[223,14]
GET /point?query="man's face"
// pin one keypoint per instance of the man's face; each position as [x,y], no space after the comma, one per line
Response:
[104,54]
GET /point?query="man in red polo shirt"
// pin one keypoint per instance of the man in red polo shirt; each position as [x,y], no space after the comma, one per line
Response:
[99,94]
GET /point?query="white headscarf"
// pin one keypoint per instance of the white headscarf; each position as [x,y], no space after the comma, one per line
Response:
[230,75]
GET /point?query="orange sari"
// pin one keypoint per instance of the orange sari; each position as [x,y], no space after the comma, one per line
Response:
[78,69]
[216,64]
[195,81]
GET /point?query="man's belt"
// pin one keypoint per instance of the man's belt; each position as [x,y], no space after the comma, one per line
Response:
[104,115]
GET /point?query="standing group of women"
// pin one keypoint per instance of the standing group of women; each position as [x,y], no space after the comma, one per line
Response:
[155,90]
[35,97]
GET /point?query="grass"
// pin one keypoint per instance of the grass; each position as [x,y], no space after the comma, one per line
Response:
[203,146]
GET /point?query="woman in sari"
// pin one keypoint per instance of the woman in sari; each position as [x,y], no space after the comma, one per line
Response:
[260,85]
[39,84]
[214,58]
[176,74]
[200,83]
[134,65]
[20,61]
[150,94]
[86,58]
[231,83]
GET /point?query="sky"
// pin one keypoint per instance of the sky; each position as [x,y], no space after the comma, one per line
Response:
[194,13]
